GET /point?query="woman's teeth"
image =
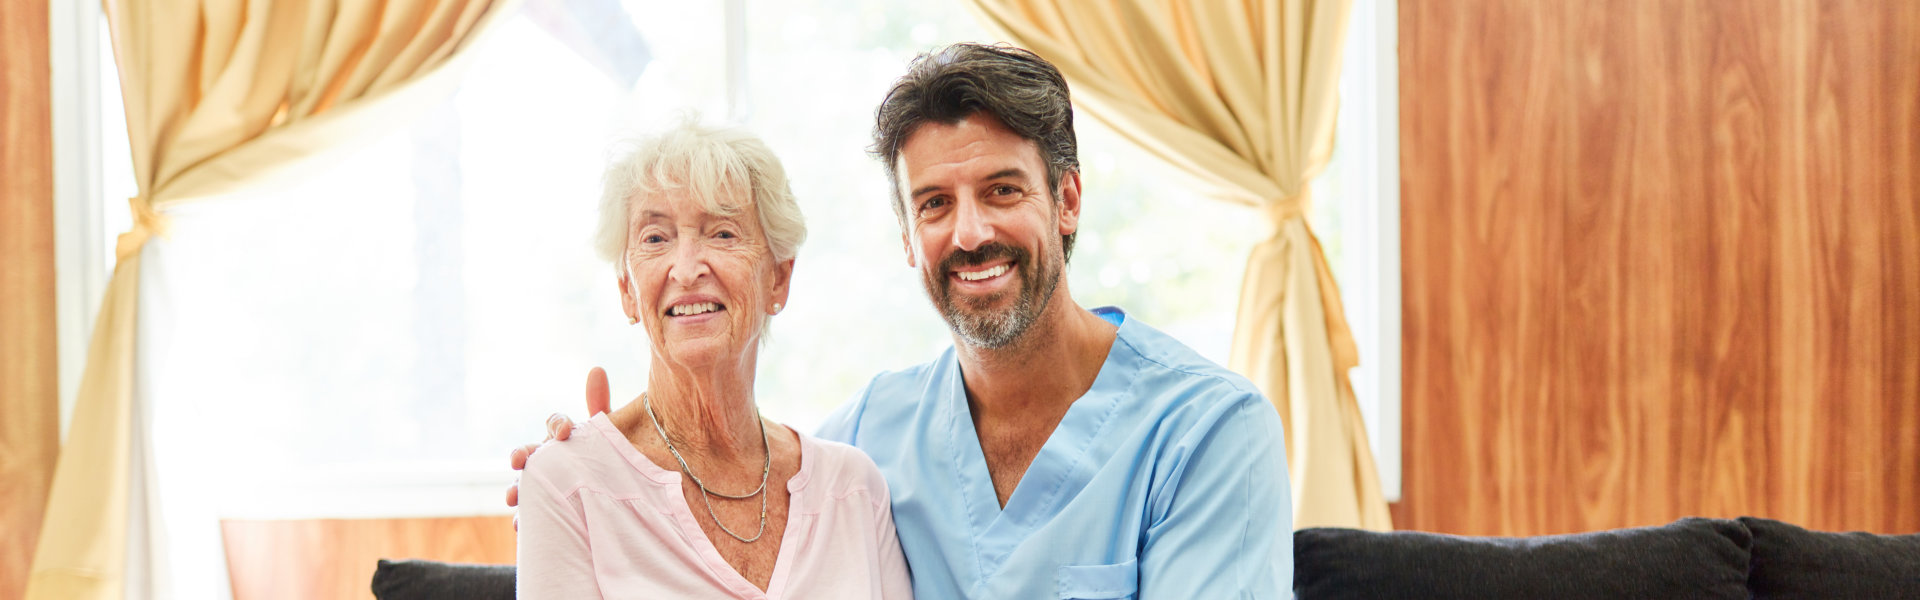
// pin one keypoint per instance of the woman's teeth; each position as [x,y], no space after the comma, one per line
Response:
[979,275]
[693,309]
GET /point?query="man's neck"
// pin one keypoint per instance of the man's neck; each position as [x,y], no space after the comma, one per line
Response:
[1053,363]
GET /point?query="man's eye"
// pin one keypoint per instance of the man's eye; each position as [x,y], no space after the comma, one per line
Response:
[933,203]
[1004,190]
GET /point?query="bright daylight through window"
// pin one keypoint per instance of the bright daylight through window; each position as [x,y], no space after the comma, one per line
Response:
[378,335]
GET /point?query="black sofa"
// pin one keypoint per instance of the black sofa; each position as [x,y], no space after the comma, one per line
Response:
[1690,558]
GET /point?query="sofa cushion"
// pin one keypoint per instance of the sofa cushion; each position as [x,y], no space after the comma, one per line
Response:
[1791,562]
[428,580]
[1689,558]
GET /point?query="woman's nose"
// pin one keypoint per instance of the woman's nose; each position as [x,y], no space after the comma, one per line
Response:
[689,263]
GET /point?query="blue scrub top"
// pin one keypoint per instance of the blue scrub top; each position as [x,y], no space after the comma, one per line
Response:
[1168,479]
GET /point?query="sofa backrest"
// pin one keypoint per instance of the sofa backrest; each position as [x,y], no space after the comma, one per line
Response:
[1690,558]
[1790,563]
[1740,558]
[429,580]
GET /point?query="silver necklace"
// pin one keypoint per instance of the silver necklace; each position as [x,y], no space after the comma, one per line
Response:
[647,401]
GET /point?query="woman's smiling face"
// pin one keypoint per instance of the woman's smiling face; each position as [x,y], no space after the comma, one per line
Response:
[701,279]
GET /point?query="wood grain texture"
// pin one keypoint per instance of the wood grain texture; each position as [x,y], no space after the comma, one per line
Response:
[335,558]
[1660,259]
[29,373]
[1486,149]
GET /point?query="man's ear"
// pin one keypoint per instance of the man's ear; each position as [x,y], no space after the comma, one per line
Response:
[627,302]
[1069,202]
[906,244]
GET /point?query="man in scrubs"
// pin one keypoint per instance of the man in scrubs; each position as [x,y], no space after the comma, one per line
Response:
[1053,451]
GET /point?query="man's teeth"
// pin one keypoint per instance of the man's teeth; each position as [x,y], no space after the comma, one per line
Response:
[979,275]
[693,309]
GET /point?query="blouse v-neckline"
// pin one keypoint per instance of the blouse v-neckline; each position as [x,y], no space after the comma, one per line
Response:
[690,529]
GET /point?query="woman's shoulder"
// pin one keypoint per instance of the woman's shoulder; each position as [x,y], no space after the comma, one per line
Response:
[587,456]
[841,469]
[558,460]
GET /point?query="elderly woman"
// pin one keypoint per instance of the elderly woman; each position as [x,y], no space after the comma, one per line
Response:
[701,497]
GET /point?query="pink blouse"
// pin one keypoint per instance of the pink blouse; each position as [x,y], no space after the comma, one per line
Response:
[600,520]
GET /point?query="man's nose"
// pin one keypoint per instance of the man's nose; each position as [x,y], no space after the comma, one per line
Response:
[971,229]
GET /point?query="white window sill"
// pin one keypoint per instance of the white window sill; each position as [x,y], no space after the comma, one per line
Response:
[373,491]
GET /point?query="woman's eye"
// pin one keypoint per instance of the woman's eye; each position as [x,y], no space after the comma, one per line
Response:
[725,235]
[654,238]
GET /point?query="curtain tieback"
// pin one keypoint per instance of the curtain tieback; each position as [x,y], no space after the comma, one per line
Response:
[146,222]
[1278,211]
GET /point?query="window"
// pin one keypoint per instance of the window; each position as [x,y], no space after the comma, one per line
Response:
[369,341]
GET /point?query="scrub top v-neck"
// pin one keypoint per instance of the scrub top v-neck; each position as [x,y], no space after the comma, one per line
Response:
[1167,478]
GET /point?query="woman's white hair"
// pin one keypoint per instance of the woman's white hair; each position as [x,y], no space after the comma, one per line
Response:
[710,164]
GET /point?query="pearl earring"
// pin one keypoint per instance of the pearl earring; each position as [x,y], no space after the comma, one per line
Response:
[633,320]
[776,308]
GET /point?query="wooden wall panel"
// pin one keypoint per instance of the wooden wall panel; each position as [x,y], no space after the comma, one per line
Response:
[1848,267]
[29,378]
[1484,155]
[1900,256]
[1660,259]
[328,559]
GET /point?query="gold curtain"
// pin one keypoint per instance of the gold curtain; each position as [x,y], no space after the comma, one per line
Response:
[1243,96]
[219,94]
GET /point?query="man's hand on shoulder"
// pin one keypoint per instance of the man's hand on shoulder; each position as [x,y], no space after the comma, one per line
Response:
[559,428]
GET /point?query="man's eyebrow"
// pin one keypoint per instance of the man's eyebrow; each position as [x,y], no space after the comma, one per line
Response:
[923,190]
[1014,172]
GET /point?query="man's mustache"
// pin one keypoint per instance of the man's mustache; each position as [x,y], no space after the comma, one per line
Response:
[977,256]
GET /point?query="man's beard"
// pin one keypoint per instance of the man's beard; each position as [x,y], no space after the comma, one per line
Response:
[974,319]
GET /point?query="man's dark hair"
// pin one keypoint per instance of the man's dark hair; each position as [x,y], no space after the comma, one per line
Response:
[948,85]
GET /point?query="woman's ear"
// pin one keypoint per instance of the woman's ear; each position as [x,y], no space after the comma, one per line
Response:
[782,284]
[627,301]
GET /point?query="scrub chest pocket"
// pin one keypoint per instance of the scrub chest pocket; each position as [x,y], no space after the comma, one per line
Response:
[1099,582]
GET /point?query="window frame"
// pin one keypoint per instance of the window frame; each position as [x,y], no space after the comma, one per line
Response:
[1384,366]
[80,236]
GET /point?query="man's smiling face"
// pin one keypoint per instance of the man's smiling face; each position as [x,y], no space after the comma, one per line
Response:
[983,226]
